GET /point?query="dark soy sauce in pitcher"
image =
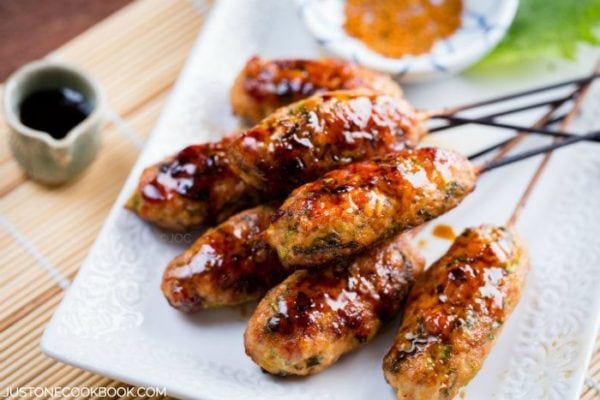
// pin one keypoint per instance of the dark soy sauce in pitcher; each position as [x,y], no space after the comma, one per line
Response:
[54,111]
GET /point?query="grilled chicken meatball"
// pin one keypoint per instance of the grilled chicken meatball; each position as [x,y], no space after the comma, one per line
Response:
[228,265]
[299,143]
[265,85]
[192,188]
[353,207]
[303,325]
[454,314]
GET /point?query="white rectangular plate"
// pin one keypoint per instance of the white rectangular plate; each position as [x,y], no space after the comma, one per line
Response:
[114,320]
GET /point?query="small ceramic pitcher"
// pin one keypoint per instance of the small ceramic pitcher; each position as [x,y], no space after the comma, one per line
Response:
[44,158]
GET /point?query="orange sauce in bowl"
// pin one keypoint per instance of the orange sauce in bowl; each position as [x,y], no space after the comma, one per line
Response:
[395,28]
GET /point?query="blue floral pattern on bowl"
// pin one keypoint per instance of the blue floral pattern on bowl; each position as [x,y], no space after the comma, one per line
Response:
[484,23]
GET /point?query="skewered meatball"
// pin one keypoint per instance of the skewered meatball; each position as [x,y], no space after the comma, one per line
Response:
[353,207]
[454,314]
[265,85]
[228,265]
[299,143]
[192,188]
[307,322]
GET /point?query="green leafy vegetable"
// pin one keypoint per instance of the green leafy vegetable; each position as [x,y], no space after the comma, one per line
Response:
[549,29]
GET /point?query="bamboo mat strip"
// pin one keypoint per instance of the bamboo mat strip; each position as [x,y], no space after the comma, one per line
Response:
[40,259]
[136,54]
[137,68]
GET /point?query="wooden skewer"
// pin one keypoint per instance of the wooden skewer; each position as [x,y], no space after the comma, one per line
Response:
[491,148]
[541,168]
[581,93]
[510,143]
[557,119]
[531,153]
[548,149]
[532,129]
[453,110]
[546,120]
[506,146]
[489,118]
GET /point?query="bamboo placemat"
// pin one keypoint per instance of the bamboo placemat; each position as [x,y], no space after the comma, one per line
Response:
[45,233]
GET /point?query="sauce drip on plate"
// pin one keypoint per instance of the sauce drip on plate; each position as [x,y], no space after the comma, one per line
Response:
[397,28]
[444,231]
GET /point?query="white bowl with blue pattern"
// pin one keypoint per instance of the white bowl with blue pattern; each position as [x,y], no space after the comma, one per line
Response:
[484,23]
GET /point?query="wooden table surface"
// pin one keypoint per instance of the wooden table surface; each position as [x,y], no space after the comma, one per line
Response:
[29,29]
[45,233]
